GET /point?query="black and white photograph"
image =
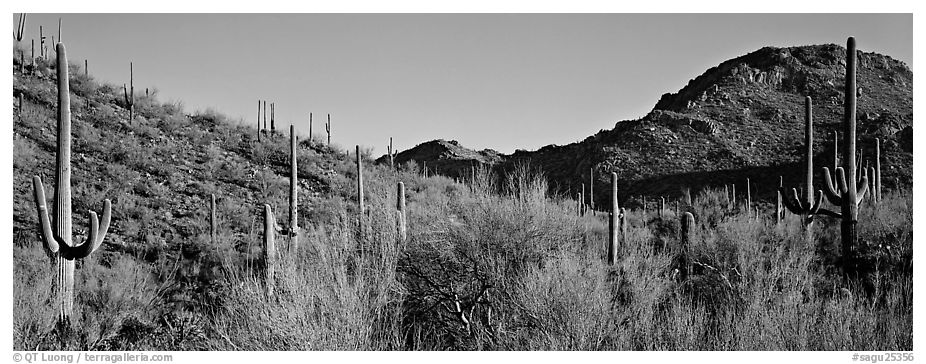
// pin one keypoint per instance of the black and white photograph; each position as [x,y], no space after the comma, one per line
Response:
[192,183]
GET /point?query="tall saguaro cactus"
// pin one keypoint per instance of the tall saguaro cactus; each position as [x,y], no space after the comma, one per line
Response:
[129,93]
[360,190]
[293,193]
[614,223]
[877,174]
[311,138]
[328,129]
[273,127]
[270,251]
[258,120]
[59,243]
[401,217]
[591,189]
[391,155]
[213,222]
[805,206]
[847,194]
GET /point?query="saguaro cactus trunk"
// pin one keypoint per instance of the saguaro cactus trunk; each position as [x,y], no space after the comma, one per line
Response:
[848,194]
[213,228]
[591,189]
[806,206]
[360,191]
[270,251]
[293,192]
[328,129]
[877,174]
[614,225]
[59,244]
[401,218]
[258,120]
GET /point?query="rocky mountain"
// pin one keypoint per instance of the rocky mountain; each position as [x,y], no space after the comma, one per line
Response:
[445,157]
[741,119]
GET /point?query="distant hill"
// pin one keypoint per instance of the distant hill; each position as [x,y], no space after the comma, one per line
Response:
[741,119]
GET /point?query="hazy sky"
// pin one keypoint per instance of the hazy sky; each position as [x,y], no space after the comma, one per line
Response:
[507,81]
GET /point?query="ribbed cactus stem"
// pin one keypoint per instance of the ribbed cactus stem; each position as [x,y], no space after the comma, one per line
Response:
[779,211]
[877,174]
[293,192]
[591,189]
[273,127]
[270,252]
[265,116]
[258,120]
[614,225]
[644,211]
[733,197]
[360,190]
[401,217]
[213,228]
[662,205]
[582,201]
[328,129]
[748,196]
[848,192]
[311,138]
[687,224]
[59,243]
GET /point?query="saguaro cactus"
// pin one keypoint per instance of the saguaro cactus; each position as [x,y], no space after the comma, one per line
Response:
[293,192]
[265,116]
[877,174]
[258,120]
[391,159]
[614,225]
[748,196]
[59,243]
[779,207]
[328,129]
[273,127]
[360,191]
[401,219]
[129,93]
[270,251]
[213,223]
[687,224]
[591,189]
[848,195]
[805,206]
[644,211]
[311,138]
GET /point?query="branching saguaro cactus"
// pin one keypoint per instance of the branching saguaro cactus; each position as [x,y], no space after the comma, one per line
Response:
[59,243]
[401,217]
[270,251]
[129,93]
[847,194]
[614,224]
[360,191]
[293,193]
[806,206]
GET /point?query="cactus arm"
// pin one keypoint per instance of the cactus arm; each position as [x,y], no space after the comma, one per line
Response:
[831,194]
[792,205]
[829,213]
[815,208]
[98,229]
[862,190]
[47,236]
[841,181]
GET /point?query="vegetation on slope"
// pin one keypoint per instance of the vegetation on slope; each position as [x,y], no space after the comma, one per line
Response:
[513,259]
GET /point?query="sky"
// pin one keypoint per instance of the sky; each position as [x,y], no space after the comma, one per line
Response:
[500,81]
